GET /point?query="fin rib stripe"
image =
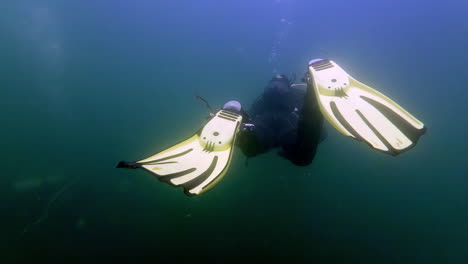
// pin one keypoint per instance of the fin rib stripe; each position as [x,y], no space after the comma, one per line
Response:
[216,157]
[223,117]
[151,162]
[323,68]
[345,123]
[202,177]
[322,65]
[209,147]
[353,132]
[392,151]
[325,65]
[229,114]
[167,178]
[226,166]
[406,128]
[320,62]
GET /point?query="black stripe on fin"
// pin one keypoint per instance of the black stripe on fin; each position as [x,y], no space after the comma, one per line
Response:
[227,118]
[322,65]
[392,151]
[323,68]
[353,132]
[151,162]
[227,164]
[201,178]
[168,177]
[344,123]
[231,114]
[404,126]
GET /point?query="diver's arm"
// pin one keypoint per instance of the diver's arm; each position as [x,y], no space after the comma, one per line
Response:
[248,142]
[247,139]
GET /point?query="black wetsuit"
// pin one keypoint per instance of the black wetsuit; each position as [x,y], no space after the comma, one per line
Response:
[283,117]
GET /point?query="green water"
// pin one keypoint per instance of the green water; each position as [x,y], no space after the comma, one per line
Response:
[87,84]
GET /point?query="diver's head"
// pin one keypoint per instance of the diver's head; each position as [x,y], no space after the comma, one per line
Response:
[233,106]
[277,89]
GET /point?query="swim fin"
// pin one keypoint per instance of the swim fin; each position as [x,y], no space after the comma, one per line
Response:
[361,112]
[199,162]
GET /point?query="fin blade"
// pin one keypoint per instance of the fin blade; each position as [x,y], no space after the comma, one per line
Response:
[397,126]
[327,106]
[199,162]
[387,131]
[361,112]
[223,161]
[411,129]
[353,122]
[382,99]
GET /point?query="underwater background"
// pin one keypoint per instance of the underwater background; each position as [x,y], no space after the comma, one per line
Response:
[85,84]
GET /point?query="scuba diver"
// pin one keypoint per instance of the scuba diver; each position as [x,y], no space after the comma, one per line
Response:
[283,117]
[289,119]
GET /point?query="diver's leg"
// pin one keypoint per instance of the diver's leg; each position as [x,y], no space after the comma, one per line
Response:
[300,146]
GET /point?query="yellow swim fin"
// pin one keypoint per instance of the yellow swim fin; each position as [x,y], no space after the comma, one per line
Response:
[199,162]
[361,112]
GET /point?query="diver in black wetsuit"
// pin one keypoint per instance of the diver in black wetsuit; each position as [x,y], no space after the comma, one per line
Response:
[282,117]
